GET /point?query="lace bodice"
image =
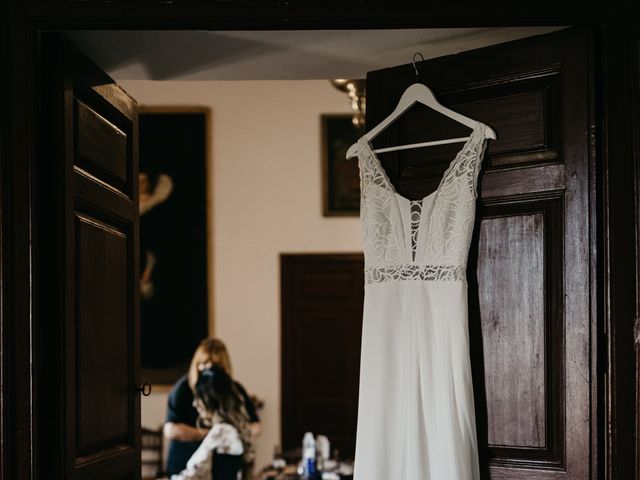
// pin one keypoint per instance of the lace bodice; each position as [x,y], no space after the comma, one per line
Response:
[426,239]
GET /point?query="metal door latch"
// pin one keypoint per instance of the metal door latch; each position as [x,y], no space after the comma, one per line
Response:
[144,389]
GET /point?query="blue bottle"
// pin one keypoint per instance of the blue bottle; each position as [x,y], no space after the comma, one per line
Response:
[310,468]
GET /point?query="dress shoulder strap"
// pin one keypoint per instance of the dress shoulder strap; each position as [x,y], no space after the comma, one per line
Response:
[371,172]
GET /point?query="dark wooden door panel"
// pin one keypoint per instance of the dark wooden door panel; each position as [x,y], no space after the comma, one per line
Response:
[94,225]
[512,253]
[102,335]
[322,299]
[529,267]
[101,147]
[520,297]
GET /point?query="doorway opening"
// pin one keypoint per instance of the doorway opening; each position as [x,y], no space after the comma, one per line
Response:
[266,93]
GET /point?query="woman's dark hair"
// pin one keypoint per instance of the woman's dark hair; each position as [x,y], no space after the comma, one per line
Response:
[219,394]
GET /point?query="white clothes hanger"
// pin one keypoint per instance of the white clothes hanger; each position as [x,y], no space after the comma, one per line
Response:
[418,92]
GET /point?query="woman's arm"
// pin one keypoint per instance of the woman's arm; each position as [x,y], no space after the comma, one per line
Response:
[183,432]
[181,415]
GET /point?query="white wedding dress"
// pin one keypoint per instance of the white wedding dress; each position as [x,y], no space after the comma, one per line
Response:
[416,418]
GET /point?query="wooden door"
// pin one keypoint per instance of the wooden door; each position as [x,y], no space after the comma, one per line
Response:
[322,299]
[529,270]
[88,278]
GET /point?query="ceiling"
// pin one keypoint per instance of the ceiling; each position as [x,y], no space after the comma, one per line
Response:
[276,55]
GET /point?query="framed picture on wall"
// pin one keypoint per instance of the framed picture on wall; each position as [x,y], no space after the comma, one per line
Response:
[175,272]
[340,177]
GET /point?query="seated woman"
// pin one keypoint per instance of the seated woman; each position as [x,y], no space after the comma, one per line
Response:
[180,427]
[227,446]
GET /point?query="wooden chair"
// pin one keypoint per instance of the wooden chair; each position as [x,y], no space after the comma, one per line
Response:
[226,467]
[151,454]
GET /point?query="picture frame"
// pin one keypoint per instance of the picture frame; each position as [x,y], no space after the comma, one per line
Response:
[340,177]
[175,239]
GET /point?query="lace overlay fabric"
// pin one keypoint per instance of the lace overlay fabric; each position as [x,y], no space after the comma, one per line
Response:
[415,272]
[404,240]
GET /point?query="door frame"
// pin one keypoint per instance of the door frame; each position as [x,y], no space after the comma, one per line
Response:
[615,181]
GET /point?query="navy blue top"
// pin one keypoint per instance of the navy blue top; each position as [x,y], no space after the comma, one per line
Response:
[180,409]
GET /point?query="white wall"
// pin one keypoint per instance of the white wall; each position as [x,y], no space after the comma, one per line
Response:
[266,200]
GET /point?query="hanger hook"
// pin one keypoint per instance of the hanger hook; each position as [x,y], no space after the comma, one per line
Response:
[414,61]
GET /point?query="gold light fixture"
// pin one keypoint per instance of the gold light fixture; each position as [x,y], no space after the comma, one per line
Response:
[356,89]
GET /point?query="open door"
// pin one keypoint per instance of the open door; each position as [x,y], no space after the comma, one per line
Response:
[531,324]
[87,281]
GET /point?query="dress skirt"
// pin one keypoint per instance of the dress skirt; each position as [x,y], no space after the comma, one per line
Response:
[416,418]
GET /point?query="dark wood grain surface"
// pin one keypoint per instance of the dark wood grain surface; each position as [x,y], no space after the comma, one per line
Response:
[322,300]
[90,296]
[529,267]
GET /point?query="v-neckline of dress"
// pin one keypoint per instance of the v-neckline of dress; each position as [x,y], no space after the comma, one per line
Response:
[417,238]
[389,185]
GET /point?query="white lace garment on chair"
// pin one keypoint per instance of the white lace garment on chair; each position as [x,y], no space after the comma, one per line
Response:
[222,438]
